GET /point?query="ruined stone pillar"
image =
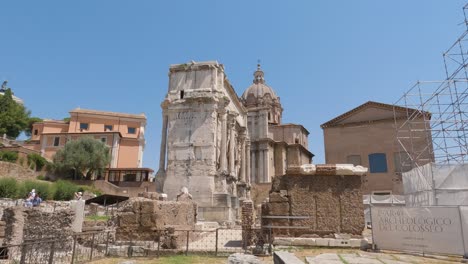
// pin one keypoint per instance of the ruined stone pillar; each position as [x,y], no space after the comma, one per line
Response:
[223,158]
[242,158]
[261,161]
[162,151]
[266,163]
[160,178]
[247,219]
[232,146]
[247,167]
[252,167]
[247,161]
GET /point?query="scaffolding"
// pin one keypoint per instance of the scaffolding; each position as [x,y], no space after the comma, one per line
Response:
[434,125]
[431,121]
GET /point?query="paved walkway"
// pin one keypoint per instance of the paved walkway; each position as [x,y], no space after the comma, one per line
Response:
[369,258]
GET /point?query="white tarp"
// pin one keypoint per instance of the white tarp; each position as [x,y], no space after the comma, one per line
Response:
[464,219]
[383,199]
[418,229]
[434,184]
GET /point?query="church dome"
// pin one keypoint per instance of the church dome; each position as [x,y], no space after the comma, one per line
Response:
[261,97]
[258,90]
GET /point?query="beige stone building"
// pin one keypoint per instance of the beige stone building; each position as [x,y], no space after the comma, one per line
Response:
[274,146]
[366,136]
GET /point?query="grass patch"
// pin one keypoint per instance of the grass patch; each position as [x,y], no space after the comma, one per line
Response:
[342,259]
[381,260]
[178,259]
[98,217]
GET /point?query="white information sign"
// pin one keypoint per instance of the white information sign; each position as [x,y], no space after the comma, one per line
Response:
[420,229]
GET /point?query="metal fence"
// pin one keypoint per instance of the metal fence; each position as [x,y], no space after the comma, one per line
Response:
[84,247]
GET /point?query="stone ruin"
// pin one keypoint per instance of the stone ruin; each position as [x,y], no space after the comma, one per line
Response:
[25,224]
[28,226]
[141,219]
[204,143]
[316,201]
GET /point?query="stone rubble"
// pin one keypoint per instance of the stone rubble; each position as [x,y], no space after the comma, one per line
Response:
[241,258]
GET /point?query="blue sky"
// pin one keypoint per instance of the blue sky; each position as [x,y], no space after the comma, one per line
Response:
[323,58]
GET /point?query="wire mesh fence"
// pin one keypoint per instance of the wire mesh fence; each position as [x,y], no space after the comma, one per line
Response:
[84,247]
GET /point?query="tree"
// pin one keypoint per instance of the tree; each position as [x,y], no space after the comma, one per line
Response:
[13,116]
[84,156]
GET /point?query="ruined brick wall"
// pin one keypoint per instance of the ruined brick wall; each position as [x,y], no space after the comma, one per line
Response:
[23,224]
[333,204]
[139,218]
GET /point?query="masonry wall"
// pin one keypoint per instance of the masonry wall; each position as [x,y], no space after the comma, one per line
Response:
[139,218]
[330,203]
[191,159]
[364,139]
[12,170]
[23,224]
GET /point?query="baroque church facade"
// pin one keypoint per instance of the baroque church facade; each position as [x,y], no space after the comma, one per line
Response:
[274,146]
[217,144]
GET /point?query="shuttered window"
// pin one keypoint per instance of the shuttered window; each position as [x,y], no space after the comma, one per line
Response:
[377,163]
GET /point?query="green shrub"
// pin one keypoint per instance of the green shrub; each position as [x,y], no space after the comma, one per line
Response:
[41,177]
[8,188]
[8,156]
[37,160]
[64,190]
[44,189]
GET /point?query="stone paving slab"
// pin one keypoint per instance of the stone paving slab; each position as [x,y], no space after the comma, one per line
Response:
[326,258]
[356,259]
[366,258]
[391,261]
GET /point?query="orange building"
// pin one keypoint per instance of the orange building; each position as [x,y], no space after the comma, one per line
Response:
[123,133]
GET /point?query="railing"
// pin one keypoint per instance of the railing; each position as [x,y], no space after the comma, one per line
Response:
[77,248]
[88,246]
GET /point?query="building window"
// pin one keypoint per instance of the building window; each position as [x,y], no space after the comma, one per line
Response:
[402,162]
[84,126]
[382,193]
[198,152]
[377,163]
[108,127]
[131,176]
[181,94]
[56,141]
[104,140]
[354,159]
[113,177]
[36,132]
[269,117]
[131,130]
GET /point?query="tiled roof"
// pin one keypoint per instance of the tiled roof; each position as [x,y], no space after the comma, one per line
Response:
[365,105]
[106,113]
